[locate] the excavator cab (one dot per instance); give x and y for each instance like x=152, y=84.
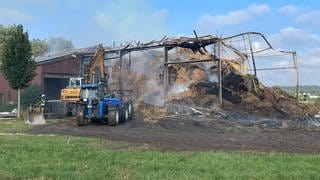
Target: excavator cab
x=75, y=82
x=73, y=91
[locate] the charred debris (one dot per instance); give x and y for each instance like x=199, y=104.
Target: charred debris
x=201, y=75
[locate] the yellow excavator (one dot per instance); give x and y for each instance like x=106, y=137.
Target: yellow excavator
x=72, y=93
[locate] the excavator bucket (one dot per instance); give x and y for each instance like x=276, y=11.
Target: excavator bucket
x=35, y=115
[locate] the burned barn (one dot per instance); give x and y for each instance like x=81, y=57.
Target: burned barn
x=155, y=70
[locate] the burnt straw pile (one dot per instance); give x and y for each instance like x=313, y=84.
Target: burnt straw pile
x=194, y=89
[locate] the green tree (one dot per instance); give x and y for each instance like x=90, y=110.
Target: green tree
x=17, y=66
x=5, y=33
x=39, y=47
x=31, y=95
x=59, y=44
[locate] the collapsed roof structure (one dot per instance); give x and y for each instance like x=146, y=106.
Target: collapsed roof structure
x=245, y=53
x=241, y=45
x=229, y=61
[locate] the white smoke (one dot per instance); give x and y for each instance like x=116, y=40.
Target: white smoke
x=154, y=94
x=144, y=75
x=213, y=77
x=56, y=44
x=149, y=65
x=179, y=88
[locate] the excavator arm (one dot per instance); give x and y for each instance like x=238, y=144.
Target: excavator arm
x=97, y=57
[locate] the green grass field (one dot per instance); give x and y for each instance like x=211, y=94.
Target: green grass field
x=24, y=156
x=13, y=126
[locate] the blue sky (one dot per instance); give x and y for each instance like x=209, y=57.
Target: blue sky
x=289, y=25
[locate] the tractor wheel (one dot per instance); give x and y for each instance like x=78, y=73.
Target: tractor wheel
x=130, y=110
x=71, y=109
x=124, y=113
x=113, y=116
x=68, y=110
x=82, y=119
x=74, y=110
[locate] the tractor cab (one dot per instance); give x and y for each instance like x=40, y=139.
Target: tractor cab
x=89, y=92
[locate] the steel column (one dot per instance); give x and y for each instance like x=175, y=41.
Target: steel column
x=252, y=56
x=120, y=71
x=220, y=70
x=165, y=70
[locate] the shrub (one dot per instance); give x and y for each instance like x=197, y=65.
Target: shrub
x=31, y=95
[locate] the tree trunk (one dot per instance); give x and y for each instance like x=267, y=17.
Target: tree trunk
x=18, y=112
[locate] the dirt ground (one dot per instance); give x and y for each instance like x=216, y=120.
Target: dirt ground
x=182, y=133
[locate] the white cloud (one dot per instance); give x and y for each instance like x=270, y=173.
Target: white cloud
x=289, y=10
x=131, y=20
x=208, y=21
x=309, y=18
x=311, y=59
x=304, y=15
x=294, y=38
x=10, y=16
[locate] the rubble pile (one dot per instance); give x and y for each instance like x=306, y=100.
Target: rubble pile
x=194, y=90
x=256, y=100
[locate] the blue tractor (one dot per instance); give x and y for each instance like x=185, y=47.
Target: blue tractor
x=96, y=105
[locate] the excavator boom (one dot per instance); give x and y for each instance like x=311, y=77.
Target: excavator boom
x=98, y=57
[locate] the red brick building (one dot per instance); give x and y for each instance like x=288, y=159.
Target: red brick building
x=53, y=72
x=6, y=93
